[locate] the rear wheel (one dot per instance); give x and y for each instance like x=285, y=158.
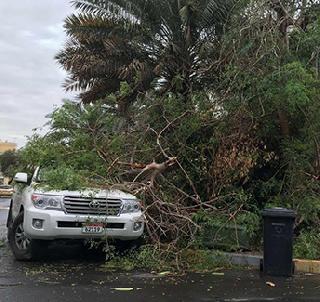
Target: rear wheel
x=23, y=248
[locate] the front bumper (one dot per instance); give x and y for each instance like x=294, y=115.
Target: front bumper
x=56, y=225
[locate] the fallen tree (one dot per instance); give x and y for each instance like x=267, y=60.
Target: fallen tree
x=214, y=140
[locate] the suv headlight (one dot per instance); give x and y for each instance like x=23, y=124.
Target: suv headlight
x=130, y=206
x=41, y=201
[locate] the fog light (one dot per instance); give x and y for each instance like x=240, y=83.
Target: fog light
x=137, y=226
x=37, y=223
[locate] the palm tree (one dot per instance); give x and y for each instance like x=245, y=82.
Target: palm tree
x=164, y=43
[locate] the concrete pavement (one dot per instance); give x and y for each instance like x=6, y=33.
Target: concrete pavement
x=70, y=273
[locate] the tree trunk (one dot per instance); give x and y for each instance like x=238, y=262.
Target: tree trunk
x=283, y=123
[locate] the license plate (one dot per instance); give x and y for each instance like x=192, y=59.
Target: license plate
x=92, y=229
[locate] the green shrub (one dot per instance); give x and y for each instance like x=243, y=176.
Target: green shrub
x=307, y=245
x=228, y=232
x=152, y=258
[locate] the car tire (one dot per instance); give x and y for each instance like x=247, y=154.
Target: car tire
x=24, y=248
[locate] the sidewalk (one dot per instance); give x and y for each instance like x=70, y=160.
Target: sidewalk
x=301, y=265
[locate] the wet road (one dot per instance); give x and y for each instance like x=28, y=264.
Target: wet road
x=69, y=273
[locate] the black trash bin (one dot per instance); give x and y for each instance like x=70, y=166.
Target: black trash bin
x=278, y=241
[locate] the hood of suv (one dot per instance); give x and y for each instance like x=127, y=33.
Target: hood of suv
x=112, y=194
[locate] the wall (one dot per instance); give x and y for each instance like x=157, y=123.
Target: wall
x=7, y=146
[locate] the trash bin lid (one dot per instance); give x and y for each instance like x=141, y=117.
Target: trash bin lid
x=278, y=212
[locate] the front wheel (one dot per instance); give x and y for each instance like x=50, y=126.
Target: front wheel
x=23, y=248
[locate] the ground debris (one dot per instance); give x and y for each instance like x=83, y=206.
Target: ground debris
x=271, y=284
x=162, y=274
x=218, y=274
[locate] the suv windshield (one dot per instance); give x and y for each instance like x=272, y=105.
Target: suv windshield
x=41, y=175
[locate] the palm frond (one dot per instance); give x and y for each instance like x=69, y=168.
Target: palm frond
x=72, y=83
x=216, y=12
x=119, y=9
x=87, y=26
x=140, y=41
x=99, y=90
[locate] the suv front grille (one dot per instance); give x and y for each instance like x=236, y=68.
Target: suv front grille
x=75, y=224
x=92, y=206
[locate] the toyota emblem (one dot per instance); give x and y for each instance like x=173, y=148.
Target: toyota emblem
x=94, y=204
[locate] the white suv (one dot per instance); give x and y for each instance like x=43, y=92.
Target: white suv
x=37, y=216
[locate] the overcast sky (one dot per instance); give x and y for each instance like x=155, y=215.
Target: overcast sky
x=30, y=80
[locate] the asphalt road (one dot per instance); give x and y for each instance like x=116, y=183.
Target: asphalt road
x=69, y=273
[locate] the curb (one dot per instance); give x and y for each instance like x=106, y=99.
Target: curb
x=301, y=265
x=307, y=266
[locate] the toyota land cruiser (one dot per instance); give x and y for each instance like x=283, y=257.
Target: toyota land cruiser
x=37, y=215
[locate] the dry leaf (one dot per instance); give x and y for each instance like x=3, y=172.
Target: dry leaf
x=164, y=273
x=217, y=274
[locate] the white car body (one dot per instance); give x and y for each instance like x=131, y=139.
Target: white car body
x=78, y=209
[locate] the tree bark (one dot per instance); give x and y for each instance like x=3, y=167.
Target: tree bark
x=283, y=123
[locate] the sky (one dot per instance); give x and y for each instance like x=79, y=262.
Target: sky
x=31, y=33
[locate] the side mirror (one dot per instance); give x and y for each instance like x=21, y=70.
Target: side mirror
x=21, y=178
